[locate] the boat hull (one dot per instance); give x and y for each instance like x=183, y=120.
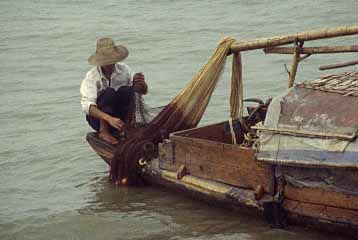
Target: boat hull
x=231, y=177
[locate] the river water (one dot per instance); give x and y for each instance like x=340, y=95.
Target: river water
x=53, y=186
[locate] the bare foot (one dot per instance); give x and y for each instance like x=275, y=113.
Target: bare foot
x=108, y=138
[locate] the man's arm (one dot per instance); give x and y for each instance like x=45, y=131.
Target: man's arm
x=88, y=92
x=117, y=123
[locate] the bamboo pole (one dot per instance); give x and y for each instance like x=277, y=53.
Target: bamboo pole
x=286, y=39
x=295, y=61
x=313, y=50
x=338, y=65
x=236, y=96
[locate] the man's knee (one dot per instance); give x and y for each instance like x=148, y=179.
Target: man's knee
x=125, y=94
x=108, y=93
x=107, y=97
x=116, y=103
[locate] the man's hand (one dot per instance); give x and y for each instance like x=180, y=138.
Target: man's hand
x=139, y=84
x=115, y=122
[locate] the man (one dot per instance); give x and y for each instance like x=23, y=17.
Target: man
x=108, y=90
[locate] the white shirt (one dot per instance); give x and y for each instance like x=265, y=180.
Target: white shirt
x=95, y=82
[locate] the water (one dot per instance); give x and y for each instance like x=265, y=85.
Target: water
x=53, y=186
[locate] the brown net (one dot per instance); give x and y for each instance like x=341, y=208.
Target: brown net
x=183, y=112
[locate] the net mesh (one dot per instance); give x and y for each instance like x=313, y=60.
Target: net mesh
x=143, y=114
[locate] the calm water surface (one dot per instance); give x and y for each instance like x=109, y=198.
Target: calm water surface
x=53, y=186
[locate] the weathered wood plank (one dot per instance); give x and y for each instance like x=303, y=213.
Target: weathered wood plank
x=210, y=191
x=212, y=132
x=166, y=157
x=321, y=212
x=321, y=196
x=103, y=149
x=221, y=162
x=170, y=158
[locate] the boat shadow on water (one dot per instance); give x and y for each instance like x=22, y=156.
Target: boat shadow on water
x=160, y=213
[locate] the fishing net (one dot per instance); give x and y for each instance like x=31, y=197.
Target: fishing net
x=143, y=114
x=183, y=112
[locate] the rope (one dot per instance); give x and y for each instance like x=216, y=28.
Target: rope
x=233, y=135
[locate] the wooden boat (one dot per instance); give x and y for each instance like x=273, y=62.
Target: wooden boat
x=296, y=157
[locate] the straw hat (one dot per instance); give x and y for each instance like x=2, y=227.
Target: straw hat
x=107, y=53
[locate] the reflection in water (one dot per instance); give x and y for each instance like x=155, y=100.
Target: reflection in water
x=157, y=213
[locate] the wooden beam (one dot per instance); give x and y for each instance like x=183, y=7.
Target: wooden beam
x=304, y=133
x=313, y=50
x=287, y=39
x=338, y=65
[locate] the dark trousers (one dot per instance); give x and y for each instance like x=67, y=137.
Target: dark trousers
x=115, y=103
